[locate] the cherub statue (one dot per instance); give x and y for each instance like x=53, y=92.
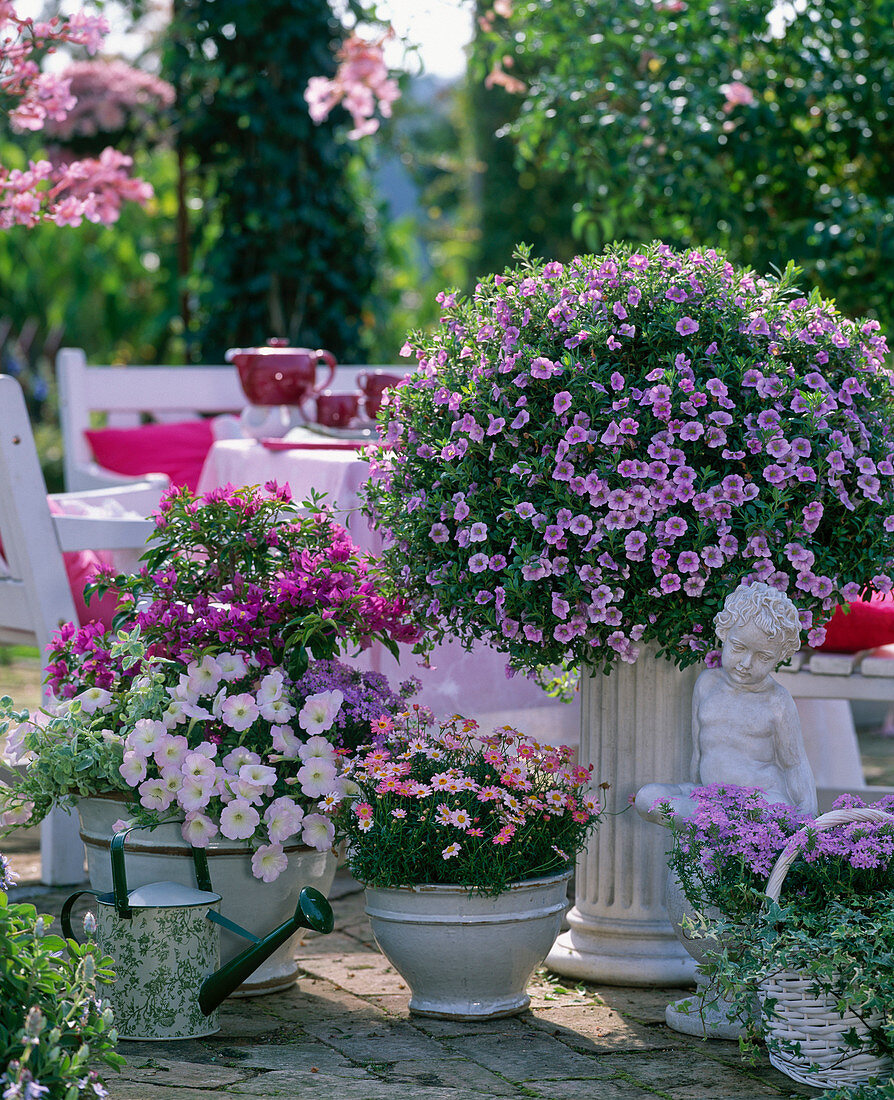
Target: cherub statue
x=745, y=726
x=745, y=733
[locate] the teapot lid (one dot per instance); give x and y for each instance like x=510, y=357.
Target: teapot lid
x=162, y=895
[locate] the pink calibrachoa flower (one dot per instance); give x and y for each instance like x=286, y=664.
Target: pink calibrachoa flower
x=318, y=832
x=316, y=777
x=239, y=819
x=199, y=830
x=133, y=769
x=239, y=711
x=319, y=711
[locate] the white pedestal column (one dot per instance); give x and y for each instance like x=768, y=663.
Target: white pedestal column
x=636, y=728
x=61, y=849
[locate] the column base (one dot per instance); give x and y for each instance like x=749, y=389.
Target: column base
x=621, y=956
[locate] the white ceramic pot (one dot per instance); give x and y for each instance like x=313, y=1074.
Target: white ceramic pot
x=467, y=957
x=162, y=855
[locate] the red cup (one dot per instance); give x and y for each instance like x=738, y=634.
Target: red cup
x=373, y=384
x=337, y=410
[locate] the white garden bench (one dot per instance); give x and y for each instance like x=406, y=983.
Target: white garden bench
x=827, y=678
x=35, y=592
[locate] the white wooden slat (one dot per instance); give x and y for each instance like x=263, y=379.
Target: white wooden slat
x=877, y=666
x=832, y=664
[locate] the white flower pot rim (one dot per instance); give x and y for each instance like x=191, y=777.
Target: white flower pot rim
x=451, y=887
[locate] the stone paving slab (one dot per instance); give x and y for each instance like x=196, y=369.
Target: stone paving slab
x=344, y=1032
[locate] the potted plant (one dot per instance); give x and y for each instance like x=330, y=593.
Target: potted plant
x=722, y=850
x=465, y=844
x=215, y=714
x=54, y=1030
x=589, y=457
x=816, y=948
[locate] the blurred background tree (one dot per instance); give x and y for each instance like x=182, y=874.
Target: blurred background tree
x=758, y=126
x=281, y=215
x=755, y=126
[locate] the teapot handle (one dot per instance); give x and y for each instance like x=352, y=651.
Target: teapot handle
x=329, y=359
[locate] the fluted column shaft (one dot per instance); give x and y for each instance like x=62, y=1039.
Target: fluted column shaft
x=636, y=728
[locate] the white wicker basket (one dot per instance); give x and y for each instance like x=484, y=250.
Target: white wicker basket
x=814, y=1021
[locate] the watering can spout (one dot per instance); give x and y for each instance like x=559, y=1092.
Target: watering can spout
x=313, y=911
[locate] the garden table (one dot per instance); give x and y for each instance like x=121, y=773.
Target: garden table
x=474, y=683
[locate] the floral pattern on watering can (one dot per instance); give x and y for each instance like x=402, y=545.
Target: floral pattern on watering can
x=163, y=944
x=162, y=956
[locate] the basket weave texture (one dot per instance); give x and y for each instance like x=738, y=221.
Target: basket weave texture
x=812, y=1019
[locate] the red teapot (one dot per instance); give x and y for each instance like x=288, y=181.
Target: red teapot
x=280, y=375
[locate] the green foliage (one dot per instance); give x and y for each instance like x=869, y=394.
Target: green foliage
x=282, y=230
x=843, y=945
x=514, y=201
x=632, y=99
x=52, y=1026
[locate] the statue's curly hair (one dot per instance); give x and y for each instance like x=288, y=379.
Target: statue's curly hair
x=767, y=608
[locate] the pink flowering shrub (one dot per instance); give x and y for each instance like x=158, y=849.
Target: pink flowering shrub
x=592, y=456
x=361, y=84
x=245, y=570
x=443, y=803
x=111, y=98
x=93, y=188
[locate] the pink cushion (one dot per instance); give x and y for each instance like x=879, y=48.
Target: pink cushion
x=866, y=625
x=177, y=450
x=80, y=565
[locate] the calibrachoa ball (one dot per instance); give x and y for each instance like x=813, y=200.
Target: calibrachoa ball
x=594, y=455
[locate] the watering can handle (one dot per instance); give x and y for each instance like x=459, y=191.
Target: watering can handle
x=65, y=915
x=119, y=877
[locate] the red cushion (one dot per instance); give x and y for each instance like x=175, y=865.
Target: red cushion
x=866, y=625
x=177, y=450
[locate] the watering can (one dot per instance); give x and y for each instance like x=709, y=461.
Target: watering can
x=280, y=375
x=164, y=938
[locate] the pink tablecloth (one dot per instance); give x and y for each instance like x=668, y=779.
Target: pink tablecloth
x=473, y=684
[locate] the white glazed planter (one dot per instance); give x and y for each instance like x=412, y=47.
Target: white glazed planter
x=467, y=957
x=162, y=855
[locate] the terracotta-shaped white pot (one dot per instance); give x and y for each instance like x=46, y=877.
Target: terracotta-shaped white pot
x=162, y=855
x=467, y=957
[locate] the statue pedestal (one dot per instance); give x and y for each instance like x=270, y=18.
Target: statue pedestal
x=636, y=725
